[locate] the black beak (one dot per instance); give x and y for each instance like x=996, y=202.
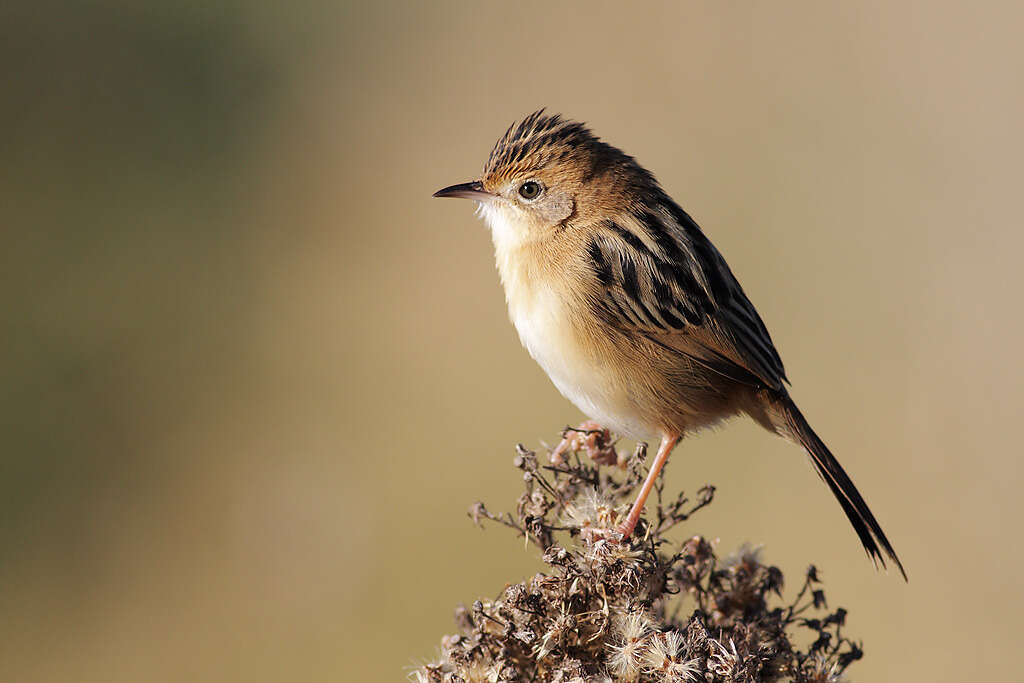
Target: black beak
x=474, y=190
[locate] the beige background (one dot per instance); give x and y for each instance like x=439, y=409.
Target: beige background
x=252, y=375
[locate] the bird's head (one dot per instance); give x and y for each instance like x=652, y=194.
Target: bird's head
x=546, y=171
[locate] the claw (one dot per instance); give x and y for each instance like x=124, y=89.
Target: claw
x=589, y=437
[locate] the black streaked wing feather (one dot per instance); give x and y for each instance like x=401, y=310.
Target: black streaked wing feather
x=663, y=278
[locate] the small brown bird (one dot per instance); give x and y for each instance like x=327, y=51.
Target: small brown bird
x=629, y=308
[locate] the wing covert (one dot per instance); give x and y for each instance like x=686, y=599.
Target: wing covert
x=661, y=277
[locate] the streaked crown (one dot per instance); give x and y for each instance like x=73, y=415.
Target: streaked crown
x=542, y=142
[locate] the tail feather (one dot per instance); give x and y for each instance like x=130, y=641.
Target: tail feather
x=829, y=469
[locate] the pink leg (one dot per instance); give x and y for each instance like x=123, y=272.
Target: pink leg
x=667, y=444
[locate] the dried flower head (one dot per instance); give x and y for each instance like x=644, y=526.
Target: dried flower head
x=592, y=510
x=665, y=658
x=746, y=557
x=649, y=609
x=627, y=647
x=824, y=670
x=723, y=661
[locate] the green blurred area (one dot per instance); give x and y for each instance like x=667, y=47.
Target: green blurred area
x=251, y=376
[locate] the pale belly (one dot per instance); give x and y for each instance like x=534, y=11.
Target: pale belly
x=595, y=387
x=583, y=374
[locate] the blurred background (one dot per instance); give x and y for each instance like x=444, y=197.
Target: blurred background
x=252, y=376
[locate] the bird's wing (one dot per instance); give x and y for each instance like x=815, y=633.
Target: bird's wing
x=661, y=277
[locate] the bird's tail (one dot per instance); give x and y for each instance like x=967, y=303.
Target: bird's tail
x=864, y=523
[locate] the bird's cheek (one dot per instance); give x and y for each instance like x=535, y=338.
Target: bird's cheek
x=558, y=208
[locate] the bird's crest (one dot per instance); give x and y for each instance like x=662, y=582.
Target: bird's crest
x=534, y=142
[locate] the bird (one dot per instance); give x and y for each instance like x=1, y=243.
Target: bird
x=630, y=309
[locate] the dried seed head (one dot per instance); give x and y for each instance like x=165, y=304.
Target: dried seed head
x=628, y=646
x=723, y=662
x=631, y=626
x=665, y=658
x=591, y=510
x=661, y=649
x=824, y=670
x=624, y=660
x=479, y=672
x=747, y=557
x=647, y=611
x=682, y=671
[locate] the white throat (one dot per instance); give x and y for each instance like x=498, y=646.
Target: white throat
x=544, y=323
x=509, y=230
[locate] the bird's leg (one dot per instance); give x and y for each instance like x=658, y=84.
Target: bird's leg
x=667, y=444
x=590, y=437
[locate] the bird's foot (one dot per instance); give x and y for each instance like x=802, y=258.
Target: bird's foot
x=590, y=437
x=624, y=531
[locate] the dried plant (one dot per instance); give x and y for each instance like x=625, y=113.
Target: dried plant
x=650, y=609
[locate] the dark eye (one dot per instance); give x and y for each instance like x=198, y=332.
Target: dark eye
x=529, y=190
